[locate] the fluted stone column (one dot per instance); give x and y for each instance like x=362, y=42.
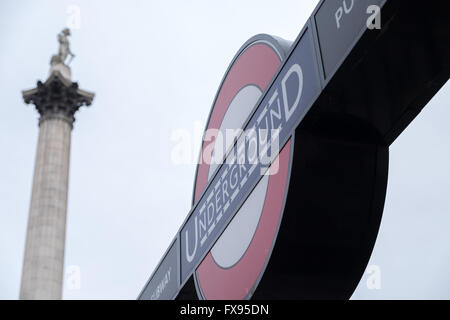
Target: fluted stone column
x=56, y=100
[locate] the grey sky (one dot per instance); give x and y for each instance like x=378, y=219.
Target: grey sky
x=155, y=68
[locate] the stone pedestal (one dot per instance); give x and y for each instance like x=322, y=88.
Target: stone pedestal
x=56, y=100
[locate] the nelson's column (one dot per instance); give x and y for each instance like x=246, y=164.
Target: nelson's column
x=56, y=100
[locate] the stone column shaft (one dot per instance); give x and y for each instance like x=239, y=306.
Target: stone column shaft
x=42, y=274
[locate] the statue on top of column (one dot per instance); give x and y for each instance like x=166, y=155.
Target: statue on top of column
x=64, y=49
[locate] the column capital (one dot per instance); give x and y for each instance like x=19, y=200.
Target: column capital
x=57, y=97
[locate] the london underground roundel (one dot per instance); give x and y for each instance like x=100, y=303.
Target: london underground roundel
x=236, y=262
x=306, y=226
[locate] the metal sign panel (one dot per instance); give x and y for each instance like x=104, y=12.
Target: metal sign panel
x=337, y=195
x=163, y=285
x=278, y=113
x=339, y=24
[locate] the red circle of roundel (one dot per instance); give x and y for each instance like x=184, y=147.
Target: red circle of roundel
x=256, y=64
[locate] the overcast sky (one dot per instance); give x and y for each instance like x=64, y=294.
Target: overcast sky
x=155, y=67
